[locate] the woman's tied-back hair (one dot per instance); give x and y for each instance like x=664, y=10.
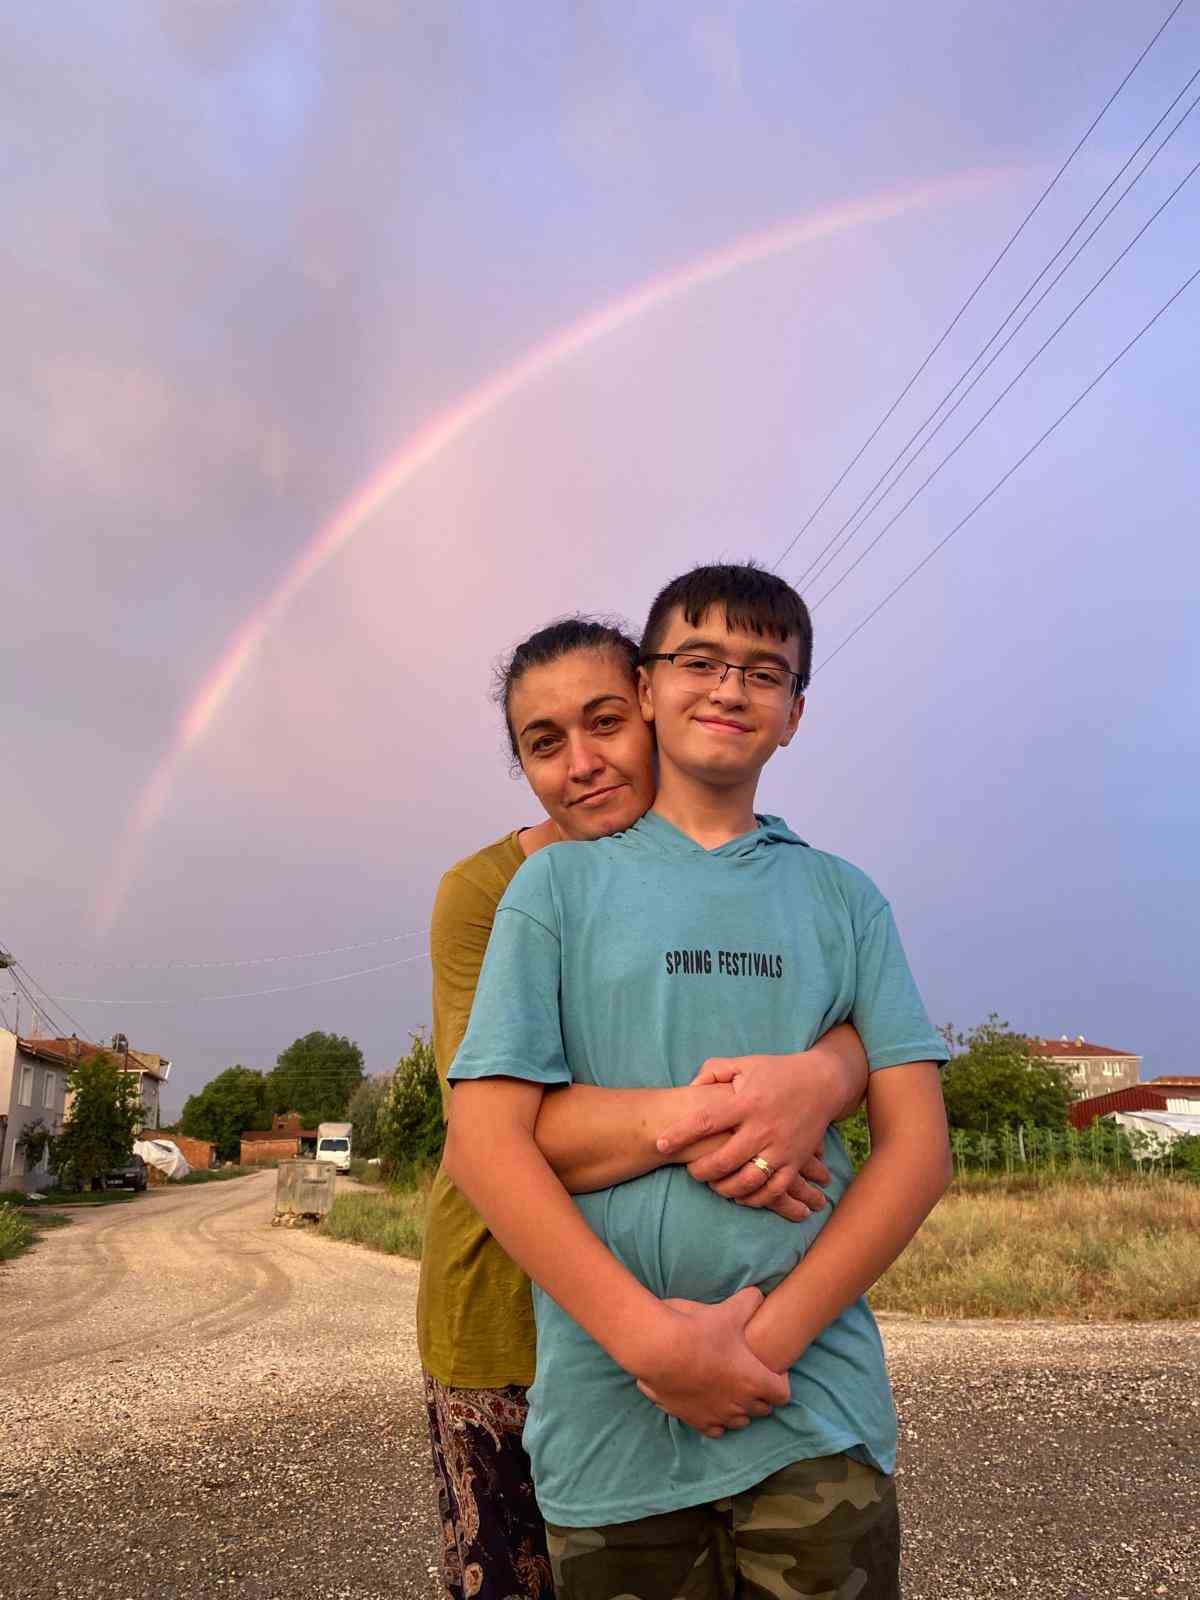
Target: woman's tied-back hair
x=753, y=600
x=561, y=638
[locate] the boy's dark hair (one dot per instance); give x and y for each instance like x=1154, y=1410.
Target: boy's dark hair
x=560, y=638
x=752, y=599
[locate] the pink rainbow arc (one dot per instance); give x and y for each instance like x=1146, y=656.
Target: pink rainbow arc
x=445, y=428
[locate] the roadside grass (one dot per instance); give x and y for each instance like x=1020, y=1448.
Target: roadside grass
x=366, y=1171
x=1123, y=1249
x=389, y=1219
x=209, y=1175
x=75, y=1197
x=19, y=1229
x=1126, y=1250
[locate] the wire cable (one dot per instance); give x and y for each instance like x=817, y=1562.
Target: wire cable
x=1020, y=462
x=958, y=315
x=48, y=1004
x=252, y=994
x=818, y=564
x=1008, y=388
x=252, y=961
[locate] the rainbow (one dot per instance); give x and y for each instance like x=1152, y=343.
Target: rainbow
x=446, y=428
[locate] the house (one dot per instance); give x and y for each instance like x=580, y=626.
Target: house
x=1173, y=1097
x=284, y=1140
x=150, y=1070
x=33, y=1088
x=1090, y=1069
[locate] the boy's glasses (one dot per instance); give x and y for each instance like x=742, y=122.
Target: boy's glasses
x=702, y=672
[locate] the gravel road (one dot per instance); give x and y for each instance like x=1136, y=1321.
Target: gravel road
x=195, y=1403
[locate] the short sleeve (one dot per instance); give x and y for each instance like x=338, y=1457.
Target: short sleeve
x=459, y=930
x=888, y=1011
x=516, y=1026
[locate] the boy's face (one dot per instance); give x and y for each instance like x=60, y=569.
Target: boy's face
x=719, y=733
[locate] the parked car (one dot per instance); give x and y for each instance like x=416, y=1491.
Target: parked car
x=131, y=1174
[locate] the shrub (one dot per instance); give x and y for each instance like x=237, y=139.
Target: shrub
x=15, y=1232
x=411, y=1129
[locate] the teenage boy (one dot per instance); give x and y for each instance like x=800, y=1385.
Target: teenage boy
x=711, y=1409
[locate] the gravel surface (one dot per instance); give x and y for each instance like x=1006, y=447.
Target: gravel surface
x=195, y=1403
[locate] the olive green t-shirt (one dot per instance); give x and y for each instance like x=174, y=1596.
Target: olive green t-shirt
x=474, y=1307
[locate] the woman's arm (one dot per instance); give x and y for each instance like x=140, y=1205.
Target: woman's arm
x=596, y=1137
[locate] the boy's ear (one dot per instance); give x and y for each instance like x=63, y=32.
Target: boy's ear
x=645, y=690
x=793, y=721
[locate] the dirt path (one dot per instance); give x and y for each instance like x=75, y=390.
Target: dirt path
x=197, y=1404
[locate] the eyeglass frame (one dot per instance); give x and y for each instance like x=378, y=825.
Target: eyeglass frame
x=729, y=666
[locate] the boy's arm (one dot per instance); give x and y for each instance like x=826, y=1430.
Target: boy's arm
x=696, y=1354
x=902, y=1180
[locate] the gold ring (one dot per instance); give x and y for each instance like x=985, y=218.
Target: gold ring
x=763, y=1166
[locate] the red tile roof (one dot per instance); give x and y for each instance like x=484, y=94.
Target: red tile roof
x=1074, y=1048
x=66, y=1052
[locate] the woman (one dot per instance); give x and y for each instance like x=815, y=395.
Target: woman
x=569, y=699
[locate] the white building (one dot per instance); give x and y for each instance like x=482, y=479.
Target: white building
x=33, y=1087
x=1090, y=1069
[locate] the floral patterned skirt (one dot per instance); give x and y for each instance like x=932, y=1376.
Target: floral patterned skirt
x=493, y=1537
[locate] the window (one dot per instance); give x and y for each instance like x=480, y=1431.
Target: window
x=18, y=1162
x=48, y=1091
x=25, y=1095
x=1110, y=1069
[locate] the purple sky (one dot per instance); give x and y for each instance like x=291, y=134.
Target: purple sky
x=253, y=248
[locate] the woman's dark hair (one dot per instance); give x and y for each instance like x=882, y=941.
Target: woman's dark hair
x=561, y=638
x=752, y=599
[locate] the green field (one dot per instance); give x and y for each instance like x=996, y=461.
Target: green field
x=1122, y=1248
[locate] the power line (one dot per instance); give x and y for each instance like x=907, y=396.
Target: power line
x=978, y=423
x=252, y=994
x=48, y=1004
x=954, y=321
x=836, y=544
x=1020, y=462
x=252, y=961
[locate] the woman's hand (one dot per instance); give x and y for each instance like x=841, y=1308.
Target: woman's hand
x=703, y=1371
x=778, y=1112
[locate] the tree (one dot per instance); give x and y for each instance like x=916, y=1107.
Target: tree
x=364, y=1110
x=316, y=1076
x=411, y=1128
x=225, y=1108
x=98, y=1134
x=33, y=1141
x=997, y=1083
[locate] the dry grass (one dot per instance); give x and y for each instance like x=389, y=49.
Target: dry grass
x=387, y=1219
x=1106, y=1252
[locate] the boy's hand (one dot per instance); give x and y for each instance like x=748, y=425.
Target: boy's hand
x=779, y=1110
x=703, y=1371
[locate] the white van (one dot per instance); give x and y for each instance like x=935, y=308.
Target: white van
x=333, y=1143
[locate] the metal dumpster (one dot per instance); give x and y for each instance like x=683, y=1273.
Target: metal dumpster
x=303, y=1189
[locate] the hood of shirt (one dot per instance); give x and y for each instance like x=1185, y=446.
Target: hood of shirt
x=662, y=838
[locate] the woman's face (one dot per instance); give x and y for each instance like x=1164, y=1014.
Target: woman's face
x=584, y=746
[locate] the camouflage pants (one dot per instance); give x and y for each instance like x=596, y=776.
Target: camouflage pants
x=818, y=1530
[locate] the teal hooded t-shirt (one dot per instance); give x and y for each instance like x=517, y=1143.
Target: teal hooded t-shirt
x=627, y=963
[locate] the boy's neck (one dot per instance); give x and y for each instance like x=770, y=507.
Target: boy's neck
x=711, y=815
